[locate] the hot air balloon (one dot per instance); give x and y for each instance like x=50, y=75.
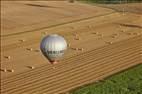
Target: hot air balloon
x=53, y=47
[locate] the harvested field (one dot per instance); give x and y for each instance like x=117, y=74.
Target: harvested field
x=109, y=45
x=51, y=15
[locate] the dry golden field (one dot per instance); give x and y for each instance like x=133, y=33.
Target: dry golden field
x=102, y=42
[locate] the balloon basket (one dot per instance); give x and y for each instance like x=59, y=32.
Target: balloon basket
x=54, y=62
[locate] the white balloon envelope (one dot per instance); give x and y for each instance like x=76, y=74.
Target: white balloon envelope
x=53, y=47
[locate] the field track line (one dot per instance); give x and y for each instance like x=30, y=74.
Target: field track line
x=79, y=20
x=103, y=49
x=70, y=71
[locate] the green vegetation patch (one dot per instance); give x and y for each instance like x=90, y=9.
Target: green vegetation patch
x=127, y=82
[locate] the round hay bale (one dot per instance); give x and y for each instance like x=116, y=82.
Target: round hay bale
x=108, y=42
x=81, y=49
x=31, y=67
x=76, y=48
x=8, y=57
x=12, y=70
x=4, y=70
x=22, y=40
x=30, y=49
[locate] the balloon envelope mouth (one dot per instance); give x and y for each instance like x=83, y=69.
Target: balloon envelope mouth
x=54, y=62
